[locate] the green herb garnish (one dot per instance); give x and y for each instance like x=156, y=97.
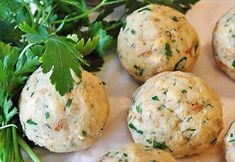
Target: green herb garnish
x=188, y=119
x=159, y=145
x=124, y=25
x=189, y=129
x=30, y=121
x=107, y=154
x=68, y=103
x=133, y=45
x=155, y=98
x=47, y=126
x=84, y=133
x=174, y=18
x=149, y=141
x=134, y=128
x=139, y=70
x=32, y=94
x=168, y=52
x=161, y=107
x=133, y=31
x=233, y=63
x=165, y=91
x=231, y=139
x=184, y=91
x=139, y=109
x=47, y=115
x=213, y=142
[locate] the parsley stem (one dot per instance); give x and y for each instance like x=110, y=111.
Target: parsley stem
x=30, y=13
x=18, y=157
x=26, y=47
x=81, y=15
x=101, y=4
x=7, y=146
x=27, y=148
x=9, y=125
x=114, y=26
x=49, y=14
x=114, y=2
x=38, y=17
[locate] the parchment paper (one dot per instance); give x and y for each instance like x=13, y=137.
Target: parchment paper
x=120, y=87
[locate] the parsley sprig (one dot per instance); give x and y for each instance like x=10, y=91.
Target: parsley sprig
x=14, y=71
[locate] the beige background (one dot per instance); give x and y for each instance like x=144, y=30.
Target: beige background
x=120, y=87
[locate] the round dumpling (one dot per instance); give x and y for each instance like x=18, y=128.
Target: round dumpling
x=137, y=153
x=177, y=112
x=224, y=43
x=229, y=142
x=66, y=123
x=156, y=39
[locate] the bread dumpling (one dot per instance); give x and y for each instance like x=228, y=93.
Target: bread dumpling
x=177, y=112
x=229, y=142
x=156, y=39
x=66, y=123
x=137, y=153
x=224, y=43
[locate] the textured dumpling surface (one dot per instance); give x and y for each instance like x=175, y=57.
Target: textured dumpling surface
x=156, y=39
x=177, y=112
x=63, y=124
x=224, y=43
x=137, y=153
x=229, y=142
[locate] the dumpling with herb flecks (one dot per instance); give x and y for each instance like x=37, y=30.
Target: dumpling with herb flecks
x=177, y=112
x=156, y=39
x=66, y=123
x=229, y=142
x=137, y=153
